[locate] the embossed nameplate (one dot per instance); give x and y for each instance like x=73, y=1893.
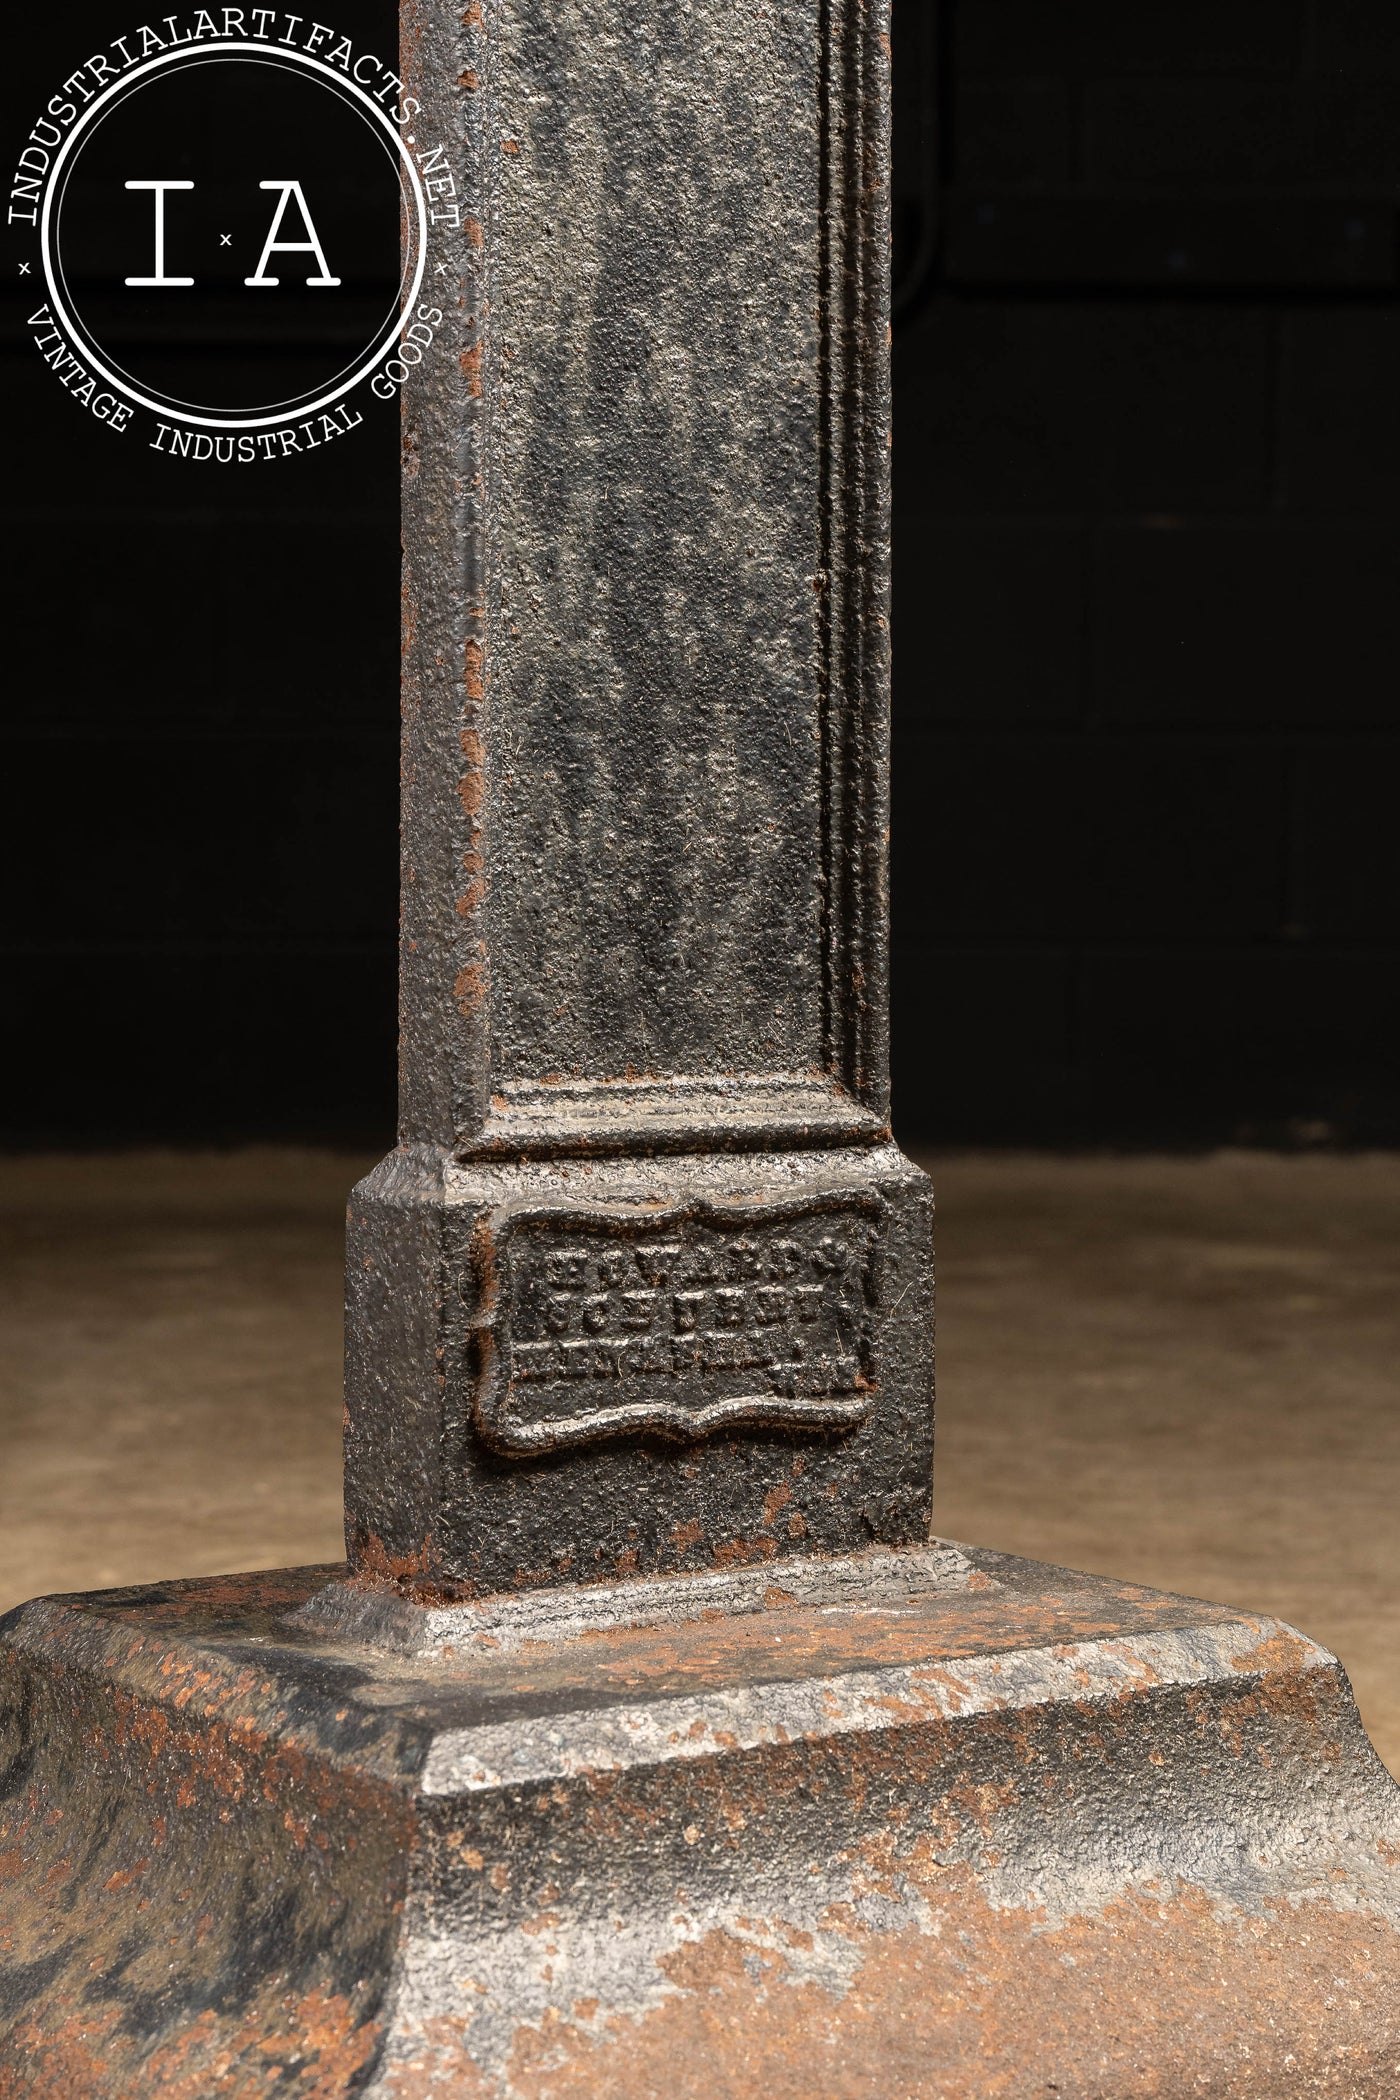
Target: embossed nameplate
x=679, y=1320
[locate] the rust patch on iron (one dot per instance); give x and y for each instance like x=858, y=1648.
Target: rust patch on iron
x=1283, y=1653
x=469, y=985
x=1162, y=1998
x=378, y=1568
x=439, y=2067
x=312, y=2048
x=737, y=1553
x=776, y=1500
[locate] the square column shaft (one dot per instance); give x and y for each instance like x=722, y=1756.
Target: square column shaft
x=624, y=1299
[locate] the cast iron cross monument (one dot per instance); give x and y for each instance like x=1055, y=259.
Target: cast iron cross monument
x=647, y=1744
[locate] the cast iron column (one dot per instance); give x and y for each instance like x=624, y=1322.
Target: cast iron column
x=646, y=1287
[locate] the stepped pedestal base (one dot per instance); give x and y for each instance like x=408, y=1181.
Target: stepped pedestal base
x=904, y=1824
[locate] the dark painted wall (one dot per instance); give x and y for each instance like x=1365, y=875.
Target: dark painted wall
x=1147, y=558
x=200, y=755
x=1148, y=401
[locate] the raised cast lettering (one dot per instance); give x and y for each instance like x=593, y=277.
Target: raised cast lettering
x=602, y=1326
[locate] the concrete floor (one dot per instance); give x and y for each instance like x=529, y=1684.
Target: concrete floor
x=1178, y=1371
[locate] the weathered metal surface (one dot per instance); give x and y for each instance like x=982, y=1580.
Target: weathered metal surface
x=646, y=639
x=707, y=1314
x=936, y=1824
x=645, y=823
x=644, y=1745
x=715, y=1434
x=199, y=1892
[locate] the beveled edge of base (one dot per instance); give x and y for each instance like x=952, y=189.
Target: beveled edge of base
x=376, y=1615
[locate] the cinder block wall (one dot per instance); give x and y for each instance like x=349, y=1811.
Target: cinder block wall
x=1148, y=570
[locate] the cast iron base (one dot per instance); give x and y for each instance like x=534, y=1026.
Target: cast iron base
x=905, y=1824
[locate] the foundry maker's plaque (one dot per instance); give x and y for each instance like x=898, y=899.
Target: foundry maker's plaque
x=680, y=1322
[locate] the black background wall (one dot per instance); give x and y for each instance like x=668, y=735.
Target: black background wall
x=1147, y=450
x=200, y=750
x=1147, y=453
